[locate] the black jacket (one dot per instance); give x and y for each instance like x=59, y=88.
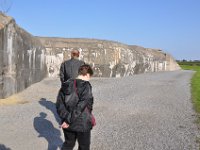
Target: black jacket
x=69, y=69
x=79, y=116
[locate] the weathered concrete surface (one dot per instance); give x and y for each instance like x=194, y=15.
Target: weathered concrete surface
x=108, y=58
x=22, y=58
x=25, y=59
x=132, y=113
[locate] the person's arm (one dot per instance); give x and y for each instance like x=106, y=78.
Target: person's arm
x=83, y=63
x=61, y=109
x=62, y=72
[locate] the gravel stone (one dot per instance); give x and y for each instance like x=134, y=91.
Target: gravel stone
x=150, y=111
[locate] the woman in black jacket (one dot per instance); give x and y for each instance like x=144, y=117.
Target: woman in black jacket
x=74, y=106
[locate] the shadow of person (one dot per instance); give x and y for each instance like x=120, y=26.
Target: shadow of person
x=46, y=130
x=3, y=147
x=50, y=106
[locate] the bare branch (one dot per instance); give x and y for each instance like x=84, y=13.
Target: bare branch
x=5, y=5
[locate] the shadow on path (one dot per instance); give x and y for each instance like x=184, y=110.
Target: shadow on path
x=46, y=130
x=3, y=147
x=50, y=106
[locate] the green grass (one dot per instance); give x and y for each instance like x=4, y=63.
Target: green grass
x=189, y=63
x=195, y=89
x=195, y=85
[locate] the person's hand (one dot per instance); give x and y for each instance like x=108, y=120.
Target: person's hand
x=64, y=125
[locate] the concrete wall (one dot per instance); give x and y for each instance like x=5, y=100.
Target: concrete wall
x=25, y=59
x=108, y=58
x=22, y=58
x=1, y=62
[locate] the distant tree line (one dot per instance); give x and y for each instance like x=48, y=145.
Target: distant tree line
x=189, y=62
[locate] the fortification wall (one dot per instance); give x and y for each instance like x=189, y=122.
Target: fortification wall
x=108, y=58
x=25, y=59
x=22, y=58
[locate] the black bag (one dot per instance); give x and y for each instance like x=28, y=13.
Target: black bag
x=67, y=100
x=71, y=97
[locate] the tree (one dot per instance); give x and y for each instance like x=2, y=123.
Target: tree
x=5, y=5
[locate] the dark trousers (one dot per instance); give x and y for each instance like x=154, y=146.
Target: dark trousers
x=83, y=139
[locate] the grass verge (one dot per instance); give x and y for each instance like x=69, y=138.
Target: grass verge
x=195, y=91
x=12, y=100
x=195, y=85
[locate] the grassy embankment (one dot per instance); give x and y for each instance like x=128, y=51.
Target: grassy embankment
x=195, y=82
x=12, y=100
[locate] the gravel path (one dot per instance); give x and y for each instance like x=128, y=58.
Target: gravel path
x=143, y=112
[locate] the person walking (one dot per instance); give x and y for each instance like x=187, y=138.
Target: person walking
x=69, y=68
x=76, y=115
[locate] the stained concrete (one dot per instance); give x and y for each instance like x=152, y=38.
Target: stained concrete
x=26, y=59
x=108, y=58
x=22, y=58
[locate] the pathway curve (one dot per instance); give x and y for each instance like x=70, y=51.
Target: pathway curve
x=143, y=112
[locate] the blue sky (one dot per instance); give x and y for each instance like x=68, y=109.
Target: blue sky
x=170, y=25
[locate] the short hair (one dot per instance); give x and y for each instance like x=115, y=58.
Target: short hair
x=84, y=69
x=75, y=53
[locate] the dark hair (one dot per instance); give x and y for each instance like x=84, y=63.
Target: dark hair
x=84, y=69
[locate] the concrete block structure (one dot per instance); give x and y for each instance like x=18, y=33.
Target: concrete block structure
x=26, y=59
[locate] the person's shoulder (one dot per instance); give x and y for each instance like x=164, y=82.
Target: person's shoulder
x=78, y=61
x=66, y=62
x=67, y=85
x=81, y=62
x=87, y=84
x=83, y=83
